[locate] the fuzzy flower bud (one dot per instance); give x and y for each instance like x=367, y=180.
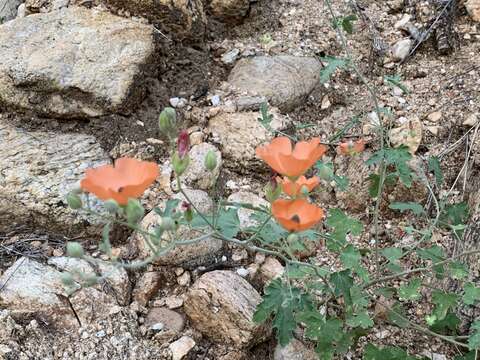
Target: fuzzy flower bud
x=74, y=201
x=183, y=144
x=210, y=161
x=75, y=249
x=167, y=122
x=134, y=211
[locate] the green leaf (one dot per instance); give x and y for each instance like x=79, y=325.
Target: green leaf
x=351, y=259
x=416, y=208
x=396, y=315
x=386, y=353
x=458, y=270
x=342, y=225
x=399, y=158
x=474, y=339
x=449, y=323
x=228, y=222
x=332, y=65
x=265, y=118
x=396, y=81
x=343, y=283
x=386, y=292
x=105, y=245
x=435, y=254
x=347, y=23
x=359, y=297
x=392, y=253
x=362, y=320
x=444, y=302
x=455, y=216
x=169, y=208
x=471, y=294
x=410, y=291
x=469, y=356
x=284, y=302
x=434, y=165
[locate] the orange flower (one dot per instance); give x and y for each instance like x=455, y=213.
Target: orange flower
x=289, y=161
x=351, y=148
x=295, y=188
x=128, y=178
x=296, y=215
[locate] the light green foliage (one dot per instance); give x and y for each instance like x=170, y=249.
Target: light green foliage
x=474, y=339
x=448, y=325
x=414, y=207
x=387, y=353
x=341, y=225
x=362, y=320
x=351, y=259
x=346, y=23
x=396, y=81
x=343, y=282
x=283, y=302
x=457, y=270
x=396, y=315
x=444, y=302
x=454, y=217
x=226, y=221
x=471, y=294
x=332, y=65
x=265, y=118
x=325, y=172
x=410, y=291
x=434, y=165
x=398, y=158
x=134, y=211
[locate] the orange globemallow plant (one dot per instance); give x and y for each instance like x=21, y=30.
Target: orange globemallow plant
x=291, y=161
x=294, y=188
x=127, y=178
x=296, y=215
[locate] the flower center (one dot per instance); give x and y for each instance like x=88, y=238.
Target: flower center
x=295, y=218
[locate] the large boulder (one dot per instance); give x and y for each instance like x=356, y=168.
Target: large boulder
x=74, y=63
x=240, y=133
x=284, y=80
x=221, y=304
x=8, y=10
x=197, y=253
x=37, y=170
x=29, y=288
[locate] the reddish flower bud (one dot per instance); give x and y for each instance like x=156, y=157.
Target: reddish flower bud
x=183, y=144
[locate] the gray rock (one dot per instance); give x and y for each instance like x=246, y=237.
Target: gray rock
x=171, y=320
x=31, y=288
x=234, y=132
x=244, y=214
x=227, y=10
x=285, y=80
x=230, y=56
x=221, y=304
x=401, y=49
x=146, y=287
x=8, y=10
x=21, y=11
x=197, y=253
x=181, y=347
x=177, y=102
x=473, y=9
x=37, y=170
x=295, y=350
x=74, y=62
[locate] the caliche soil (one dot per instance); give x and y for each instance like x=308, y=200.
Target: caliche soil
x=83, y=82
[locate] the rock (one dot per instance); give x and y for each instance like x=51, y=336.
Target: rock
x=242, y=272
x=197, y=253
x=174, y=302
x=215, y=100
x=21, y=11
x=471, y=120
x=8, y=10
x=146, y=287
x=295, y=350
x=30, y=288
x=473, y=9
x=270, y=269
x=244, y=214
x=74, y=63
x=171, y=320
x=184, y=279
x=178, y=102
x=403, y=21
x=181, y=347
x=434, y=116
x=221, y=304
x=197, y=175
x=434, y=356
x=285, y=80
x=37, y=170
x=433, y=129
x=115, y=279
x=230, y=56
x=408, y=134
x=401, y=49
x=233, y=131
x=325, y=103
x=228, y=10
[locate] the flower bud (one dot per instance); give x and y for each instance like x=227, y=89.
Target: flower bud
x=304, y=190
x=180, y=164
x=75, y=249
x=167, y=121
x=210, y=161
x=111, y=206
x=187, y=211
x=90, y=280
x=183, y=144
x=325, y=172
x=74, y=201
x=272, y=190
x=167, y=224
x=292, y=238
x=134, y=211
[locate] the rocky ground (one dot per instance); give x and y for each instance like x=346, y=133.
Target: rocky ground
x=83, y=82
